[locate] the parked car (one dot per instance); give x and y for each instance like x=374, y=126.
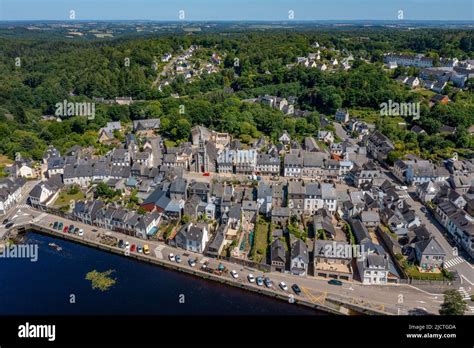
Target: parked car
x=71, y=228
x=268, y=282
x=234, y=274
x=66, y=229
x=94, y=230
x=81, y=232
x=424, y=210
x=335, y=282
x=76, y=230
x=283, y=286
x=55, y=225
x=178, y=258
x=192, y=262
x=146, y=250
x=127, y=245
x=133, y=247
x=8, y=225
x=60, y=226
x=251, y=278
x=5, y=222
x=139, y=249
x=259, y=281
x=206, y=174
x=171, y=257
x=120, y=244
x=296, y=289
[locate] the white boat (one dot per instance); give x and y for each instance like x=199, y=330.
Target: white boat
x=55, y=246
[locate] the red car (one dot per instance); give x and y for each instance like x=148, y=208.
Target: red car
x=206, y=174
x=65, y=229
x=133, y=247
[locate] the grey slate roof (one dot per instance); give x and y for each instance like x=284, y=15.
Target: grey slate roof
x=299, y=249
x=278, y=251
x=430, y=247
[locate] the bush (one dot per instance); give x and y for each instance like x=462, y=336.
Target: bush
x=73, y=190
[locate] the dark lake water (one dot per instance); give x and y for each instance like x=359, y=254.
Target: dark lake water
x=45, y=287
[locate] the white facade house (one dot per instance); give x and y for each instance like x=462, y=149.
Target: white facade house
x=193, y=237
x=10, y=193
x=373, y=269
x=418, y=60
x=25, y=171
x=43, y=194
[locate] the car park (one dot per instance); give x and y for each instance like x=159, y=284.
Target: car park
x=234, y=274
x=296, y=289
x=171, y=257
x=251, y=278
x=178, y=258
x=259, y=281
x=335, y=282
x=283, y=286
x=268, y=282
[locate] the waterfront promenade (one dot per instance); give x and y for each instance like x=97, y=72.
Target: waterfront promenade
x=317, y=292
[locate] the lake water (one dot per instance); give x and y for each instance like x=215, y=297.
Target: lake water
x=45, y=287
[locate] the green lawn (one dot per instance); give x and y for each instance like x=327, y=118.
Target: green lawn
x=372, y=116
x=412, y=271
x=64, y=198
x=259, y=250
x=170, y=143
x=4, y=160
x=425, y=93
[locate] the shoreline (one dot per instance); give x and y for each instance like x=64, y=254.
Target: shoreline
x=329, y=306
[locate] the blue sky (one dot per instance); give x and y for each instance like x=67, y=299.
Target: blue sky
x=237, y=9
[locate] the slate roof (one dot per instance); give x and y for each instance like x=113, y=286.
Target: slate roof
x=429, y=247
x=299, y=249
x=278, y=251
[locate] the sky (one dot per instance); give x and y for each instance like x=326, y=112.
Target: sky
x=237, y=9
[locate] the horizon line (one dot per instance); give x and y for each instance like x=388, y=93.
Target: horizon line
x=238, y=20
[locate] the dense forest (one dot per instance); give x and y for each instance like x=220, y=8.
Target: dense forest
x=37, y=73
